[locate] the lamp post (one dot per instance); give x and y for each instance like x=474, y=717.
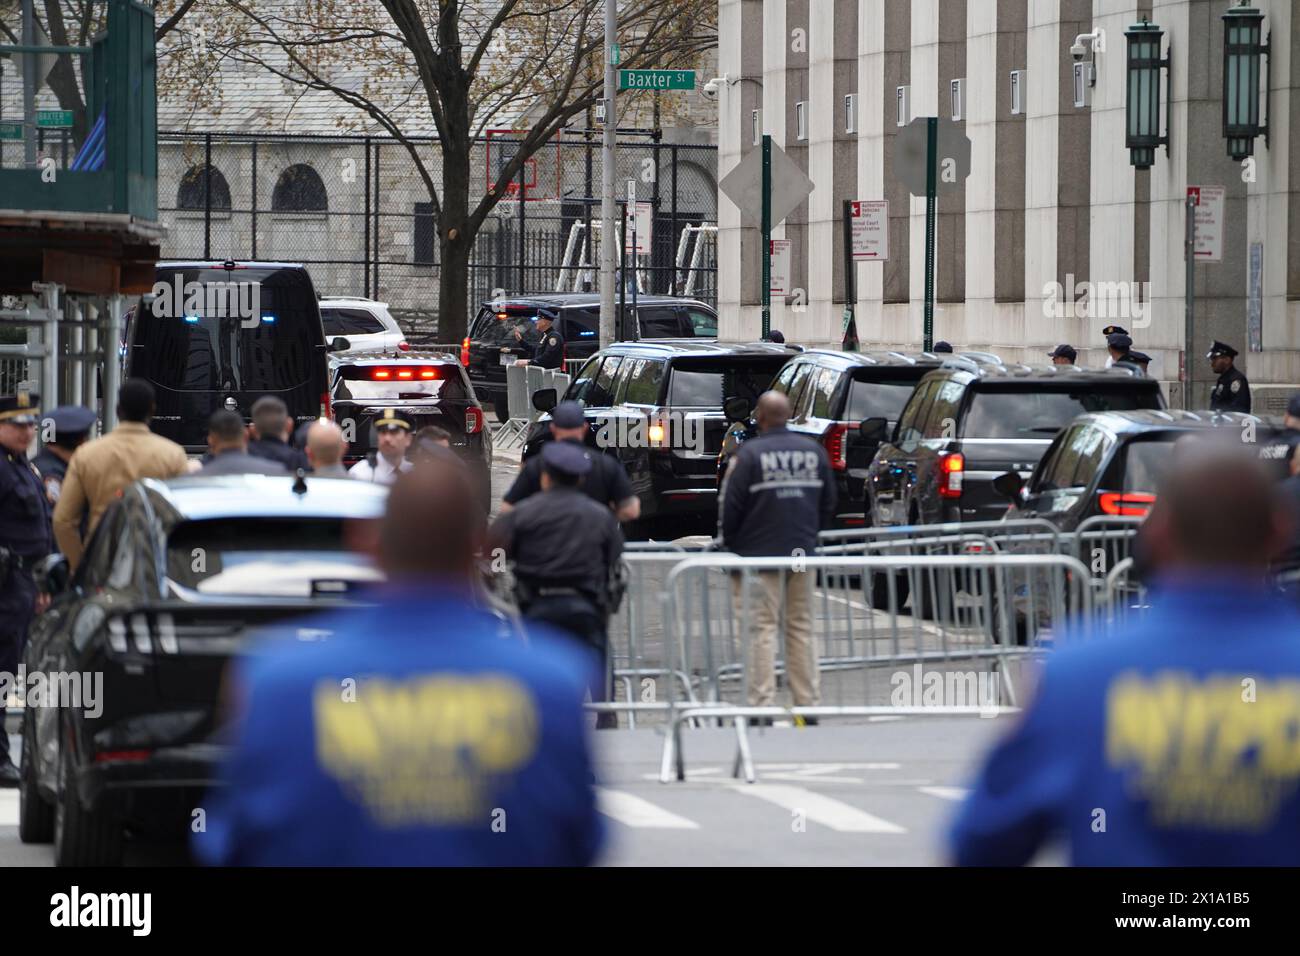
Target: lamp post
x=1142, y=128
x=1242, y=50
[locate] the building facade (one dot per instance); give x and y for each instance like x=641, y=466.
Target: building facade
x=1053, y=235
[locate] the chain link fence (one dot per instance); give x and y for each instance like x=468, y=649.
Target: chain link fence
x=356, y=212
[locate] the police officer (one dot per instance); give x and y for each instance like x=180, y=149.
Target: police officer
x=606, y=482
x=1118, y=345
x=1157, y=724
x=70, y=427
x=393, y=434
x=1139, y=359
x=549, y=350
x=495, y=769
x=25, y=538
x=1063, y=355
x=1107, y=332
x=1232, y=392
x=566, y=551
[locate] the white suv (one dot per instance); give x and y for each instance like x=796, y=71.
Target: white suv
x=366, y=324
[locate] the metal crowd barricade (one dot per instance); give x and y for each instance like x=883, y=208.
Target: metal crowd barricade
x=989, y=611
x=522, y=382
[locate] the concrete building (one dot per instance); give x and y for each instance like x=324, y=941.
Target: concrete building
x=1051, y=209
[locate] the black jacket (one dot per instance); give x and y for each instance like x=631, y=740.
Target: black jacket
x=549, y=350
x=1231, y=393
x=276, y=450
x=777, y=494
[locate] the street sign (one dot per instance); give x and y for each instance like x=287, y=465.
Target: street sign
x=869, y=219
x=640, y=219
x=952, y=156
x=656, y=79
x=1209, y=222
x=781, y=266
x=54, y=119
x=11, y=130
x=744, y=186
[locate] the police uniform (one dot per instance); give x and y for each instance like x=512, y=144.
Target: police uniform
x=549, y=350
x=565, y=549
x=71, y=423
x=377, y=468
x=1110, y=330
x=606, y=482
x=1231, y=392
x=25, y=538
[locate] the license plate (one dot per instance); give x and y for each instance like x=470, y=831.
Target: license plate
x=508, y=359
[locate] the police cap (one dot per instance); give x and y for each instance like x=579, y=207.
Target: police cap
x=70, y=421
x=21, y=408
x=1063, y=351
x=1114, y=330
x=1218, y=348
x=1119, y=340
x=566, y=458
x=568, y=415
x=944, y=347
x=392, y=418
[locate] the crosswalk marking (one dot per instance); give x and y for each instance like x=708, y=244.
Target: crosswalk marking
x=632, y=811
x=828, y=812
x=946, y=793
x=8, y=808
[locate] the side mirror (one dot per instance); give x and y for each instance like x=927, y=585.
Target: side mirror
x=545, y=399
x=736, y=409
x=874, y=429
x=51, y=574
x=340, y=344
x=1008, y=485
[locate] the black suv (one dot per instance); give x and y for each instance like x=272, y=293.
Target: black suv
x=577, y=316
x=831, y=393
x=201, y=357
x=966, y=424
x=430, y=389
x=658, y=408
x=1112, y=463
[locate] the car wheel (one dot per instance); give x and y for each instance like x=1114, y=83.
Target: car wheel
x=82, y=837
x=35, y=814
x=880, y=590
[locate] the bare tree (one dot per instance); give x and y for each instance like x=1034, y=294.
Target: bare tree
x=465, y=65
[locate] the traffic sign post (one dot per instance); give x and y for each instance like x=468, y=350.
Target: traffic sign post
x=767, y=234
x=849, y=340
x=931, y=144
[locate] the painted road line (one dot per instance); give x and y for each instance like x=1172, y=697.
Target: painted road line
x=632, y=811
x=946, y=793
x=821, y=809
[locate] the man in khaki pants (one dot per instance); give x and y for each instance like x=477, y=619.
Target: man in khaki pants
x=778, y=493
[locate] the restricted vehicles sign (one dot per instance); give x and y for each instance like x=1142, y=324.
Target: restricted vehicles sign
x=641, y=216
x=781, y=267
x=1209, y=222
x=869, y=219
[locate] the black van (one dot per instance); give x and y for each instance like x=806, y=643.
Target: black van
x=200, y=358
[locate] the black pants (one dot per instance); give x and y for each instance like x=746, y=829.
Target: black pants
x=17, y=608
x=578, y=616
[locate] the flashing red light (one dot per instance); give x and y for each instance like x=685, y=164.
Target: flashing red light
x=1131, y=504
x=473, y=421
x=405, y=373
x=464, y=352
x=836, y=444
x=952, y=467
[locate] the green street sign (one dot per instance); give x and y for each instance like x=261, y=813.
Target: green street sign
x=11, y=130
x=656, y=79
x=54, y=119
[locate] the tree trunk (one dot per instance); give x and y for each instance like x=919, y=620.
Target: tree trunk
x=455, y=241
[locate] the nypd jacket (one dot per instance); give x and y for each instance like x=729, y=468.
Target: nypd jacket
x=1169, y=743
x=410, y=733
x=777, y=494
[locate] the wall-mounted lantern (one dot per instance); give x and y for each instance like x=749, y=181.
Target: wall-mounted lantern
x=1242, y=50
x=1142, y=127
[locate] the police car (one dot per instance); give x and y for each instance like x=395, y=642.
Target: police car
x=425, y=388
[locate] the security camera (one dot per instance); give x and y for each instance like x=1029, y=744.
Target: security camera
x=711, y=88
x=1078, y=50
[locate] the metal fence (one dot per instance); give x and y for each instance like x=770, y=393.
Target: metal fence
x=356, y=211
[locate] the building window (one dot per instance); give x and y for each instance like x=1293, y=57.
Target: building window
x=850, y=113
x=299, y=189
x=801, y=121
x=422, y=244
x=902, y=98
x=189, y=195
x=1017, y=92
x=756, y=126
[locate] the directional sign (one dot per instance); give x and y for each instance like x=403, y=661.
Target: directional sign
x=1209, y=222
x=952, y=159
x=54, y=119
x=11, y=130
x=640, y=220
x=869, y=219
x=781, y=266
x=656, y=79
x=744, y=186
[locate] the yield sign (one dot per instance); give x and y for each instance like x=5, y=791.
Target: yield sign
x=744, y=186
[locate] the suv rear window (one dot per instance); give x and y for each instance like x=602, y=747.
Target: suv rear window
x=349, y=322
x=1143, y=464
x=209, y=353
x=1024, y=414
x=708, y=383
x=491, y=329
x=879, y=399
x=264, y=556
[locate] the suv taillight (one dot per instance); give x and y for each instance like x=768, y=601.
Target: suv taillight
x=1131, y=504
x=473, y=421
x=836, y=442
x=951, y=469
x=464, y=352
x=404, y=346
x=326, y=406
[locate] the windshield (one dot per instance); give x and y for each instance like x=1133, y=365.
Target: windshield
x=264, y=557
x=709, y=384
x=878, y=399
x=1041, y=414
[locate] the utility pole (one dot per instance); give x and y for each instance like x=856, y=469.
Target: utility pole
x=608, y=230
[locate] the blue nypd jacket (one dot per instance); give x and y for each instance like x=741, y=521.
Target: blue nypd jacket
x=1173, y=742
x=411, y=734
